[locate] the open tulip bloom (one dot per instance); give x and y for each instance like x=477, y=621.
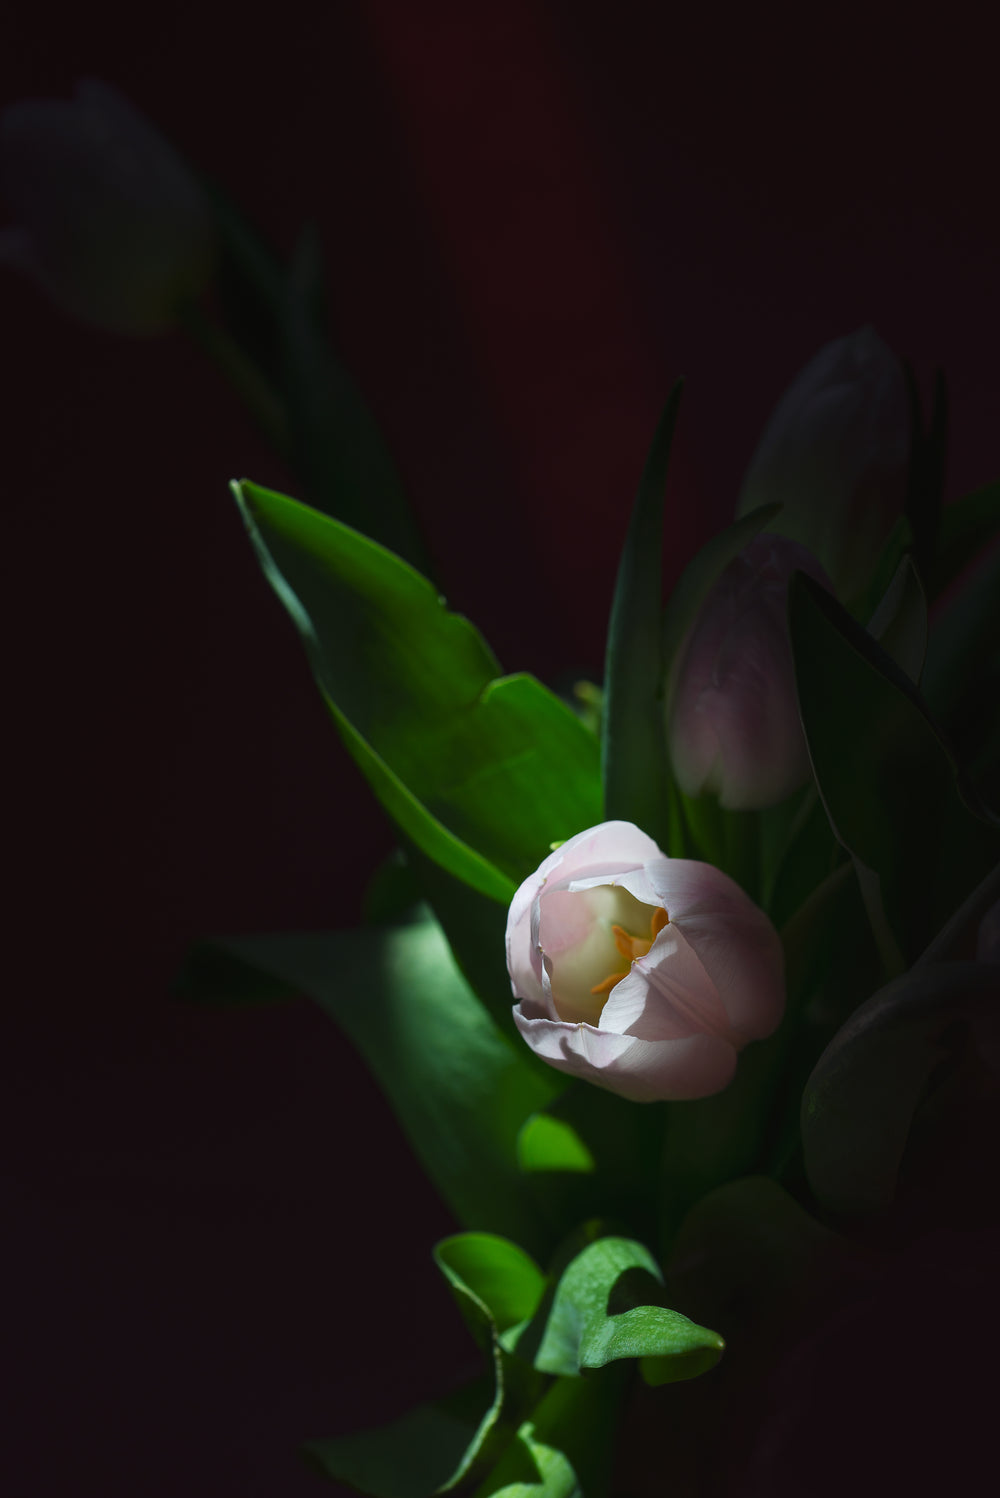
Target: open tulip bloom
x=642, y=973
x=751, y=912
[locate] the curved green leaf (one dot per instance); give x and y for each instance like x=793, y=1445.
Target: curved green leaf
x=609, y=1305
x=482, y=773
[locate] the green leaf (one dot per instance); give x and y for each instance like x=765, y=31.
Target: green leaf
x=895, y=797
x=633, y=729
x=550, y=1145
x=458, y=1086
x=497, y=1285
x=482, y=774
x=564, y=1450
x=961, y=678
x=899, y=623
x=429, y=1450
x=859, y=1103
x=608, y=1305
x=967, y=528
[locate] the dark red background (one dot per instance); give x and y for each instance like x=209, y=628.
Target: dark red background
x=535, y=217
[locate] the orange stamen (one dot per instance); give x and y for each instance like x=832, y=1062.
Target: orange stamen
x=632, y=947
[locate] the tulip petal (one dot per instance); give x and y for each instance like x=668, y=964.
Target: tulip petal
x=644, y=1071
x=668, y=995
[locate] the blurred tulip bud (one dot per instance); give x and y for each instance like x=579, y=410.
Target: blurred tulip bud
x=107, y=218
x=733, y=727
x=835, y=455
x=642, y=973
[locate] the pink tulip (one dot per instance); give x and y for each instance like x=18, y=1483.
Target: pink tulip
x=642, y=973
x=835, y=454
x=107, y=217
x=733, y=726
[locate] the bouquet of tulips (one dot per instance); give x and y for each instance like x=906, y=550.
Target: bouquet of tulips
x=676, y=984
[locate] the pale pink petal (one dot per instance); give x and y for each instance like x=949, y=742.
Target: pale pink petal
x=643, y=1071
x=686, y=886
x=743, y=957
x=619, y=844
x=667, y=995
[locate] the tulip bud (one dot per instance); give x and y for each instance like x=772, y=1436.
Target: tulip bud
x=108, y=220
x=642, y=973
x=733, y=726
x=834, y=454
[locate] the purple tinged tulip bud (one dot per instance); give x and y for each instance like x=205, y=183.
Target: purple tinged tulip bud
x=107, y=218
x=835, y=455
x=641, y=973
x=733, y=727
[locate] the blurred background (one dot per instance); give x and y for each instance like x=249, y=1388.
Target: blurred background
x=534, y=218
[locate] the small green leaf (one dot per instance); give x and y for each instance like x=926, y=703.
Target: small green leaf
x=894, y=795
x=458, y=1086
x=633, y=730
x=549, y=1145
x=860, y=1101
x=481, y=773
x=497, y=1285
x=609, y=1304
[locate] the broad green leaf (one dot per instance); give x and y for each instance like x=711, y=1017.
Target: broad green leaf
x=894, y=795
x=967, y=527
x=483, y=774
x=609, y=1304
x=565, y=1449
x=458, y=1086
x=633, y=745
x=859, y=1103
x=899, y=623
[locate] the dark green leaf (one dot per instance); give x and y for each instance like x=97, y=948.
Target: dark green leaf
x=961, y=678
x=609, y=1304
x=460, y=1089
x=899, y=623
x=429, y=1450
x=895, y=797
x=860, y=1101
x=633, y=730
x=967, y=528
x=482, y=774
